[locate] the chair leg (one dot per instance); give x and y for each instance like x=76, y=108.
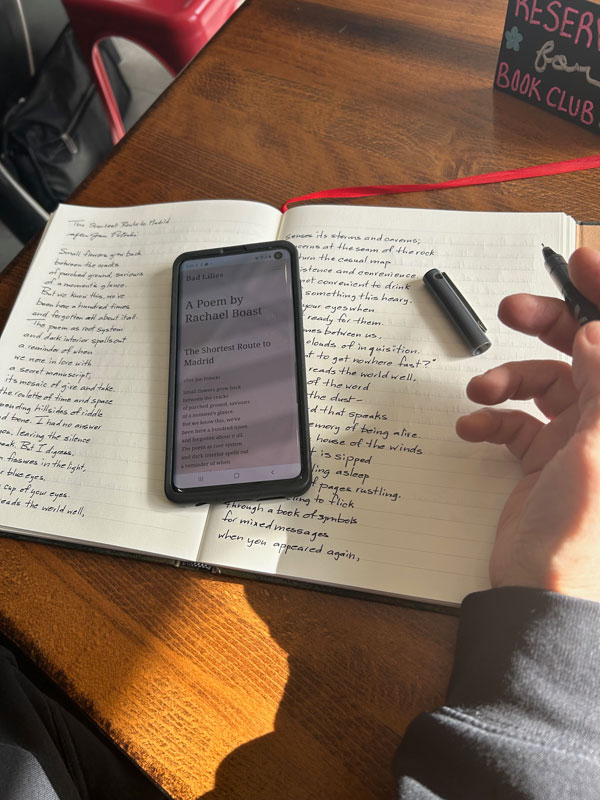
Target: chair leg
x=108, y=98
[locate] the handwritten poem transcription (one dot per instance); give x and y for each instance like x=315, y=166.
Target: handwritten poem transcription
x=83, y=390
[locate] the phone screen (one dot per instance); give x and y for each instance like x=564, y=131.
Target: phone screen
x=236, y=417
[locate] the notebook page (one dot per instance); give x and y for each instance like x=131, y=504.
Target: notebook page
x=398, y=504
x=83, y=381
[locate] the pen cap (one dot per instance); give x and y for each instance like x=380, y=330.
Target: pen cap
x=458, y=311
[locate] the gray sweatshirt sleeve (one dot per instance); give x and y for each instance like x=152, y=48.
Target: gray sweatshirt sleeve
x=522, y=715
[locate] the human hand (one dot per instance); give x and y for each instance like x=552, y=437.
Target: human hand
x=548, y=535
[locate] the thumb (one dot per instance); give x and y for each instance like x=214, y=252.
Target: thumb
x=586, y=374
x=584, y=269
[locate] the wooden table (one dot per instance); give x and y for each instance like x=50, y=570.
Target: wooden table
x=230, y=688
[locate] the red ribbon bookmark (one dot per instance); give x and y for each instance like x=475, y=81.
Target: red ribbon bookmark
x=554, y=168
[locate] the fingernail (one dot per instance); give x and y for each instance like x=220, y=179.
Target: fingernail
x=481, y=413
x=591, y=331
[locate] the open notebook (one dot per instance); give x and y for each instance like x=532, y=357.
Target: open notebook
x=399, y=505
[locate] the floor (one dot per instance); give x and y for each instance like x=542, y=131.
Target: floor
x=147, y=78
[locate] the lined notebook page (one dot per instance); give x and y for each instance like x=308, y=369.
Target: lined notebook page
x=398, y=504
x=83, y=382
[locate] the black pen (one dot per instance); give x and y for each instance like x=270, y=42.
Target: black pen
x=581, y=308
x=459, y=312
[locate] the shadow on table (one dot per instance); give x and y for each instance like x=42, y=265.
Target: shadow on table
x=345, y=706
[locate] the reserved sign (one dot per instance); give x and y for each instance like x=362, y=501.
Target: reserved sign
x=550, y=56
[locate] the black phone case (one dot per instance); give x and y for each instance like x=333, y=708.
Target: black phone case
x=262, y=490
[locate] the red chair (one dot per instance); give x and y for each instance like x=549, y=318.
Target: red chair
x=172, y=30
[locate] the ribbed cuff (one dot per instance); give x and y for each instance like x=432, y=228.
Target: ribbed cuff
x=530, y=653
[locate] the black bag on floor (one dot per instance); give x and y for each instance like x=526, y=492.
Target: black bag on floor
x=55, y=136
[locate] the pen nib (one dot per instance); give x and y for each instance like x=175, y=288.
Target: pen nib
x=547, y=252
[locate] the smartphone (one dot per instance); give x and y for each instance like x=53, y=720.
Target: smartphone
x=237, y=410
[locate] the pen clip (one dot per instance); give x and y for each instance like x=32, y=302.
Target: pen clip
x=463, y=300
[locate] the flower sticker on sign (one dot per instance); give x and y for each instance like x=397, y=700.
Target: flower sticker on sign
x=550, y=57
x=513, y=38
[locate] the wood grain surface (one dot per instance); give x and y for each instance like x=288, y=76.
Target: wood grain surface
x=227, y=688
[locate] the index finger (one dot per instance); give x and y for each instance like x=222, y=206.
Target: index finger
x=548, y=318
x=584, y=271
